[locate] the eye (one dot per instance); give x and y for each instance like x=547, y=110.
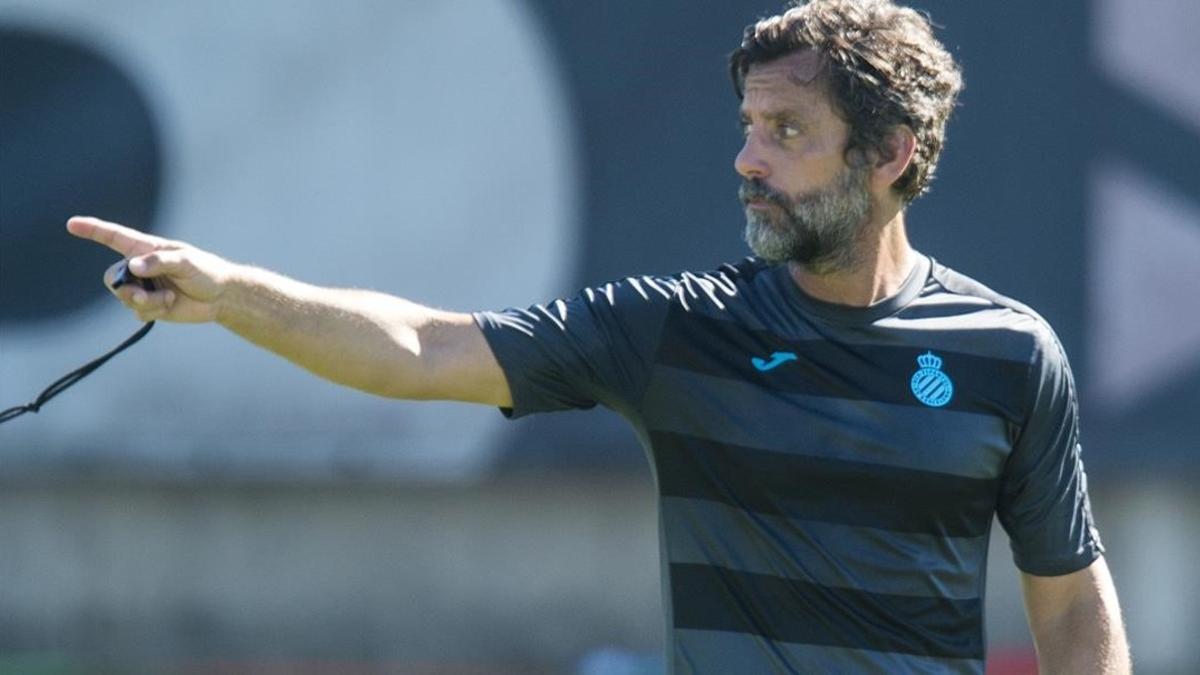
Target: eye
x=787, y=131
x=745, y=127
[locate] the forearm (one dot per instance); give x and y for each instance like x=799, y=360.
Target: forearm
x=370, y=341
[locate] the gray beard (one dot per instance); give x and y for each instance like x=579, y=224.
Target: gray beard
x=819, y=230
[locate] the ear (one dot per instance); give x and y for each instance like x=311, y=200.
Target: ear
x=900, y=146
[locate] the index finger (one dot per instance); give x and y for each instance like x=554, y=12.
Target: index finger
x=124, y=240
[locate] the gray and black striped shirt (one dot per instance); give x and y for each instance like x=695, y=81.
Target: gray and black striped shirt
x=827, y=475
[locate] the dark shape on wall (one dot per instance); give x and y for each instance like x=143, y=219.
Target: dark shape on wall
x=76, y=136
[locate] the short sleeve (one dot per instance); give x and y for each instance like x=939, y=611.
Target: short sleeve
x=593, y=348
x=1044, y=503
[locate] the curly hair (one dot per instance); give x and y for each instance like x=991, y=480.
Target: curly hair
x=882, y=66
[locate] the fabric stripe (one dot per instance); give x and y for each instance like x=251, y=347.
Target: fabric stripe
x=863, y=371
x=957, y=312
x=822, y=489
x=994, y=329
x=702, y=652
x=868, y=559
x=715, y=598
x=927, y=439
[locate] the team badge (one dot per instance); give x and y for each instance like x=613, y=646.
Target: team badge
x=929, y=384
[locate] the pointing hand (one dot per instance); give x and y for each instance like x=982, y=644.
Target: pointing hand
x=190, y=281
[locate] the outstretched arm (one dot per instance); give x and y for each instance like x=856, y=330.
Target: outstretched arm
x=1076, y=622
x=370, y=341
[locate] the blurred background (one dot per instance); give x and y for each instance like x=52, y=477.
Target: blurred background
x=201, y=506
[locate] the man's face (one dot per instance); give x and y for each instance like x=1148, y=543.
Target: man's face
x=803, y=202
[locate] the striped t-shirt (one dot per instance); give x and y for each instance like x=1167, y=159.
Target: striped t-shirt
x=827, y=475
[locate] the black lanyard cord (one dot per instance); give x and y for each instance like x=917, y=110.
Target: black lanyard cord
x=66, y=381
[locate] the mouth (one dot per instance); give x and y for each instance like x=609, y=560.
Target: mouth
x=758, y=205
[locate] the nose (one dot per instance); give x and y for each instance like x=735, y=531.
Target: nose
x=749, y=162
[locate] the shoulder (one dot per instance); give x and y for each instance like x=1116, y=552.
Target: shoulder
x=687, y=289
x=730, y=275
x=955, y=282
x=1030, y=337
x=994, y=309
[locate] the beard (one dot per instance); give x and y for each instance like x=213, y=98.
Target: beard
x=819, y=229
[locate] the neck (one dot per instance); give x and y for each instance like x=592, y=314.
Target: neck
x=884, y=261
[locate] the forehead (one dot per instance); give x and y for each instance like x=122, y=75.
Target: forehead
x=791, y=81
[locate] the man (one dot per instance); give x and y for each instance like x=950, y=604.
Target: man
x=832, y=424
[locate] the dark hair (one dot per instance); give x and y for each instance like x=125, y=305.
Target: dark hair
x=882, y=67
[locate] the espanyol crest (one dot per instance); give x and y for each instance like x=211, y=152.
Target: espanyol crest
x=929, y=384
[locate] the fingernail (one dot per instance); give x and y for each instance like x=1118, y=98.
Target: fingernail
x=137, y=265
x=170, y=298
x=139, y=297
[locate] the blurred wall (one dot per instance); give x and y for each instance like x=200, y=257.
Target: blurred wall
x=153, y=574
x=477, y=154
x=524, y=573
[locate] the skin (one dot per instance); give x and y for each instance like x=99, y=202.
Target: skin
x=794, y=142
x=1076, y=622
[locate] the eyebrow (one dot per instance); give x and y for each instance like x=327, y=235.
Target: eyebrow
x=785, y=114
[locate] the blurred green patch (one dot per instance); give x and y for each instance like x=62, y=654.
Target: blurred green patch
x=53, y=663
x=40, y=664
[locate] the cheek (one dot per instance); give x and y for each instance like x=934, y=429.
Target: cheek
x=811, y=164
x=825, y=151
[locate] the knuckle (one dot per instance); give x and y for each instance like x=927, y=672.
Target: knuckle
x=169, y=258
